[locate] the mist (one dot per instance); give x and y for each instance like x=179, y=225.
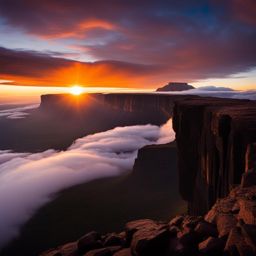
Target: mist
x=28, y=181
x=219, y=92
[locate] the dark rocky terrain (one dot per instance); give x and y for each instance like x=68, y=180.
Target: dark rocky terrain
x=216, y=150
x=175, y=87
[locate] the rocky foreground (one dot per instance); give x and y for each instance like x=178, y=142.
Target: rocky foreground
x=229, y=228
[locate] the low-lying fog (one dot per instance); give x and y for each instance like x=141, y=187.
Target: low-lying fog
x=27, y=181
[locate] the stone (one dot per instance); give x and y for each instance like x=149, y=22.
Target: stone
x=89, y=242
x=250, y=158
x=69, y=249
x=133, y=226
x=205, y=229
x=236, y=245
x=146, y=242
x=51, y=252
x=191, y=221
x=211, y=216
x=225, y=223
x=99, y=252
x=247, y=211
x=107, y=251
x=212, y=246
x=113, y=239
x=123, y=252
x=249, y=234
x=177, y=221
x=248, y=179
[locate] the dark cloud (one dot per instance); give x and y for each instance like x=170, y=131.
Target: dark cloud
x=34, y=68
x=183, y=40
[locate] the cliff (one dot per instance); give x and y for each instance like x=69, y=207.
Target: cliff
x=212, y=136
x=135, y=102
x=146, y=106
x=175, y=86
x=217, y=176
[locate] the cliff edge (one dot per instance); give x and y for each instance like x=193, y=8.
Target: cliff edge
x=212, y=136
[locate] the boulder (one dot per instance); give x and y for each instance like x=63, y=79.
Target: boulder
x=236, y=244
x=89, y=242
x=107, y=251
x=248, y=179
x=123, y=252
x=212, y=246
x=247, y=211
x=225, y=222
x=205, y=229
x=177, y=221
x=114, y=239
x=150, y=241
x=133, y=226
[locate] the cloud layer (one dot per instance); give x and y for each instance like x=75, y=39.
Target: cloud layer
x=220, y=92
x=17, y=113
x=27, y=181
x=130, y=44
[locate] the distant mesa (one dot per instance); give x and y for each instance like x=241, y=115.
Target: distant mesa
x=175, y=86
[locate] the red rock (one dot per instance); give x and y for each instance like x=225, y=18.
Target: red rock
x=133, y=226
x=177, y=221
x=247, y=211
x=206, y=229
x=212, y=246
x=248, y=179
x=236, y=245
x=150, y=241
x=113, y=239
x=89, y=242
x=107, y=251
x=123, y=252
x=225, y=222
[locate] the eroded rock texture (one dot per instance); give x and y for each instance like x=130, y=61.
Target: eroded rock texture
x=212, y=137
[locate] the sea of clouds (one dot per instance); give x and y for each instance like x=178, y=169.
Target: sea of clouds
x=28, y=181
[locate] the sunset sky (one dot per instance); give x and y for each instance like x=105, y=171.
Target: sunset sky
x=135, y=44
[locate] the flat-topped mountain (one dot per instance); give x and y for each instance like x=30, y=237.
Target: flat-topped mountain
x=175, y=87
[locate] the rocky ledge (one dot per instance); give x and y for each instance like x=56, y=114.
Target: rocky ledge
x=227, y=229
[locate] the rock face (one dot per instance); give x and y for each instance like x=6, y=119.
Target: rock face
x=175, y=86
x=212, y=137
x=138, y=102
x=222, y=231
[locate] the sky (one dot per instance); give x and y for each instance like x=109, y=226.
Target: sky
x=128, y=44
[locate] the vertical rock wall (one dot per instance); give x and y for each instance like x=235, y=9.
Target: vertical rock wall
x=212, y=135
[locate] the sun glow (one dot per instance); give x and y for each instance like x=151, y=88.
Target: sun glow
x=76, y=90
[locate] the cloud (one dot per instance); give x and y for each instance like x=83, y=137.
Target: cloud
x=17, y=113
x=27, y=181
x=162, y=40
x=35, y=68
x=219, y=92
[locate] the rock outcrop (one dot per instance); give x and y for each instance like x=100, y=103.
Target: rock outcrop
x=175, y=86
x=212, y=137
x=227, y=229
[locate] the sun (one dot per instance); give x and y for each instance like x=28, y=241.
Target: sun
x=76, y=90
